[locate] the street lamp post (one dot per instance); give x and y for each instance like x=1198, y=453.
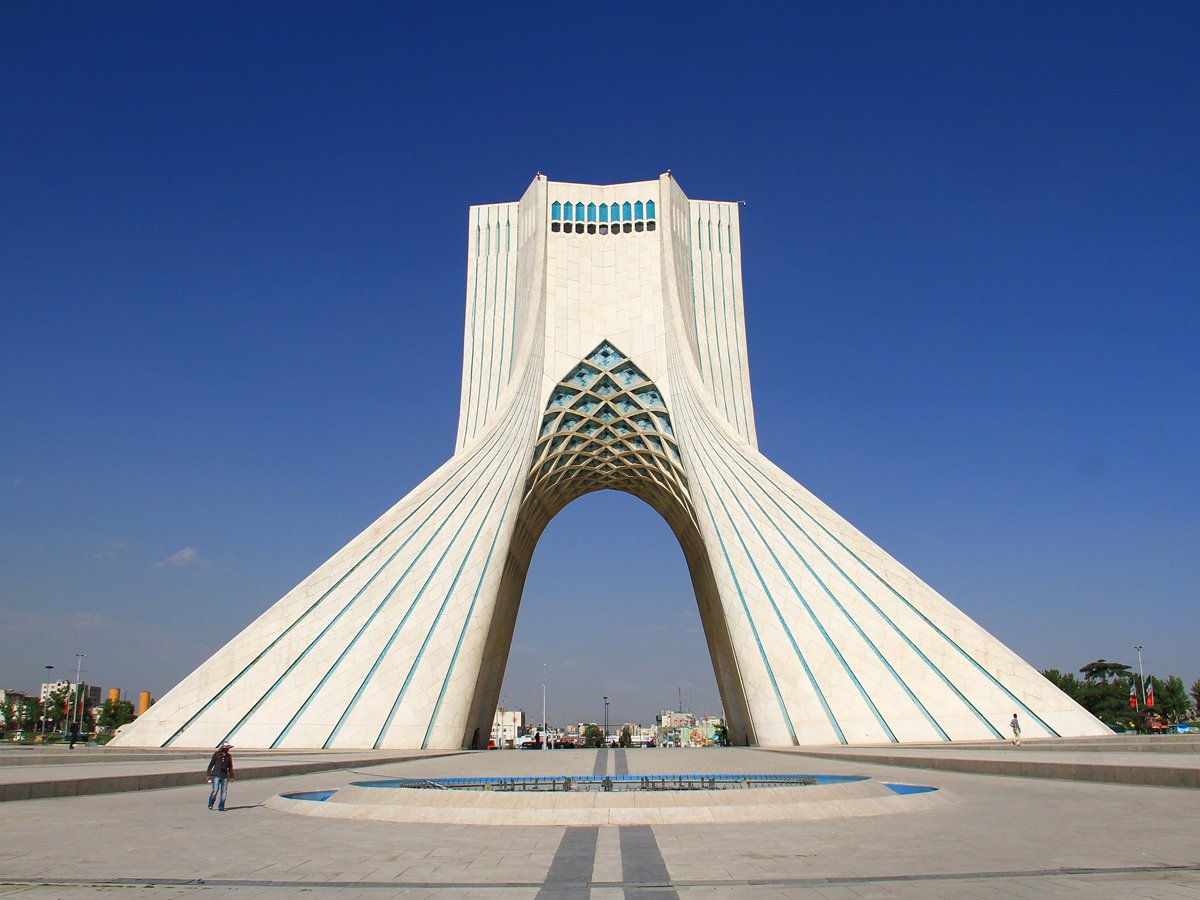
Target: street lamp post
x=1141, y=676
x=79, y=657
x=49, y=669
x=605, y=723
x=545, y=735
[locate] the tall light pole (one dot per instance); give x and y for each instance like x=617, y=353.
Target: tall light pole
x=49, y=669
x=605, y=723
x=545, y=735
x=79, y=657
x=1142, y=677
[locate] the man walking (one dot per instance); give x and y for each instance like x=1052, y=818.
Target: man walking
x=220, y=772
x=1015, y=725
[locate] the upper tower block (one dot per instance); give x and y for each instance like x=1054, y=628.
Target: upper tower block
x=570, y=265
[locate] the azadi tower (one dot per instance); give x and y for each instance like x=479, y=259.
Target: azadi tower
x=605, y=348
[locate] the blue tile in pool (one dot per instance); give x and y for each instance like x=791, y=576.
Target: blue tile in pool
x=548, y=781
x=909, y=788
x=309, y=795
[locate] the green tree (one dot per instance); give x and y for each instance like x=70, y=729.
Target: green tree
x=31, y=713
x=626, y=737
x=1105, y=691
x=1171, y=698
x=56, y=708
x=1103, y=671
x=1196, y=693
x=721, y=735
x=115, y=713
x=593, y=736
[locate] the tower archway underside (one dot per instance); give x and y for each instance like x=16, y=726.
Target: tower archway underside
x=606, y=427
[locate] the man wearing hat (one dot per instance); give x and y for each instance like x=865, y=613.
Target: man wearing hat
x=220, y=771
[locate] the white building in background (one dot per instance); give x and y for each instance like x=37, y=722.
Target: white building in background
x=507, y=726
x=91, y=693
x=605, y=349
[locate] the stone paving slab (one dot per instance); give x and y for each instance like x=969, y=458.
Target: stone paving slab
x=1178, y=770
x=1002, y=837
x=64, y=777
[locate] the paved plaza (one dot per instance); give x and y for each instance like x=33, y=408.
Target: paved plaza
x=990, y=836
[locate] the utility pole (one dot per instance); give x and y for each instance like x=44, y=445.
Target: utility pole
x=545, y=734
x=79, y=658
x=49, y=669
x=1139, y=648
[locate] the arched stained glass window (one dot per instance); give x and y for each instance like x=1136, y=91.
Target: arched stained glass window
x=649, y=209
x=638, y=211
x=603, y=213
x=578, y=212
x=616, y=212
x=568, y=212
x=627, y=211
x=556, y=211
x=591, y=212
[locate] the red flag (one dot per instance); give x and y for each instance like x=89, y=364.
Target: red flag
x=1149, y=687
x=1133, y=693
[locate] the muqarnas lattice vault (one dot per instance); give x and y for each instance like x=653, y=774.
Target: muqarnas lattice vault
x=605, y=348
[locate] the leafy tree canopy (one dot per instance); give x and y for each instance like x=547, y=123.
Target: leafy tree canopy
x=116, y=713
x=1171, y=698
x=1103, y=671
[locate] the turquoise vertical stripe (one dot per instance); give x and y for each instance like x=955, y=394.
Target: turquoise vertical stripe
x=378, y=608
x=399, y=627
x=832, y=717
x=829, y=642
x=467, y=619
x=316, y=603
x=899, y=631
x=483, y=523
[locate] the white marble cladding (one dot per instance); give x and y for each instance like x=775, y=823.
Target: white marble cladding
x=604, y=287
x=816, y=634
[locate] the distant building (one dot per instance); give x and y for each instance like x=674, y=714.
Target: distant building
x=507, y=725
x=91, y=693
x=92, y=701
x=640, y=735
x=685, y=729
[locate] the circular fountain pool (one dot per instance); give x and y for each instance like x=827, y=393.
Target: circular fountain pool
x=704, y=798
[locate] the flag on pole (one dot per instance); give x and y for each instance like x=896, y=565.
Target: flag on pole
x=1132, y=693
x=1148, y=687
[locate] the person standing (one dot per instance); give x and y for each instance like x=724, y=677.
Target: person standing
x=220, y=772
x=74, y=730
x=1015, y=725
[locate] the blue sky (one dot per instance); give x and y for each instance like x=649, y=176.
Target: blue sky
x=233, y=253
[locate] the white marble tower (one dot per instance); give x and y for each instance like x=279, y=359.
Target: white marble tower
x=605, y=348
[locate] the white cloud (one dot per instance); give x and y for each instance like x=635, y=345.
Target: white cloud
x=111, y=550
x=182, y=558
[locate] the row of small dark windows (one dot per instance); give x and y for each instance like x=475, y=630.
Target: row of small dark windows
x=615, y=212
x=593, y=228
